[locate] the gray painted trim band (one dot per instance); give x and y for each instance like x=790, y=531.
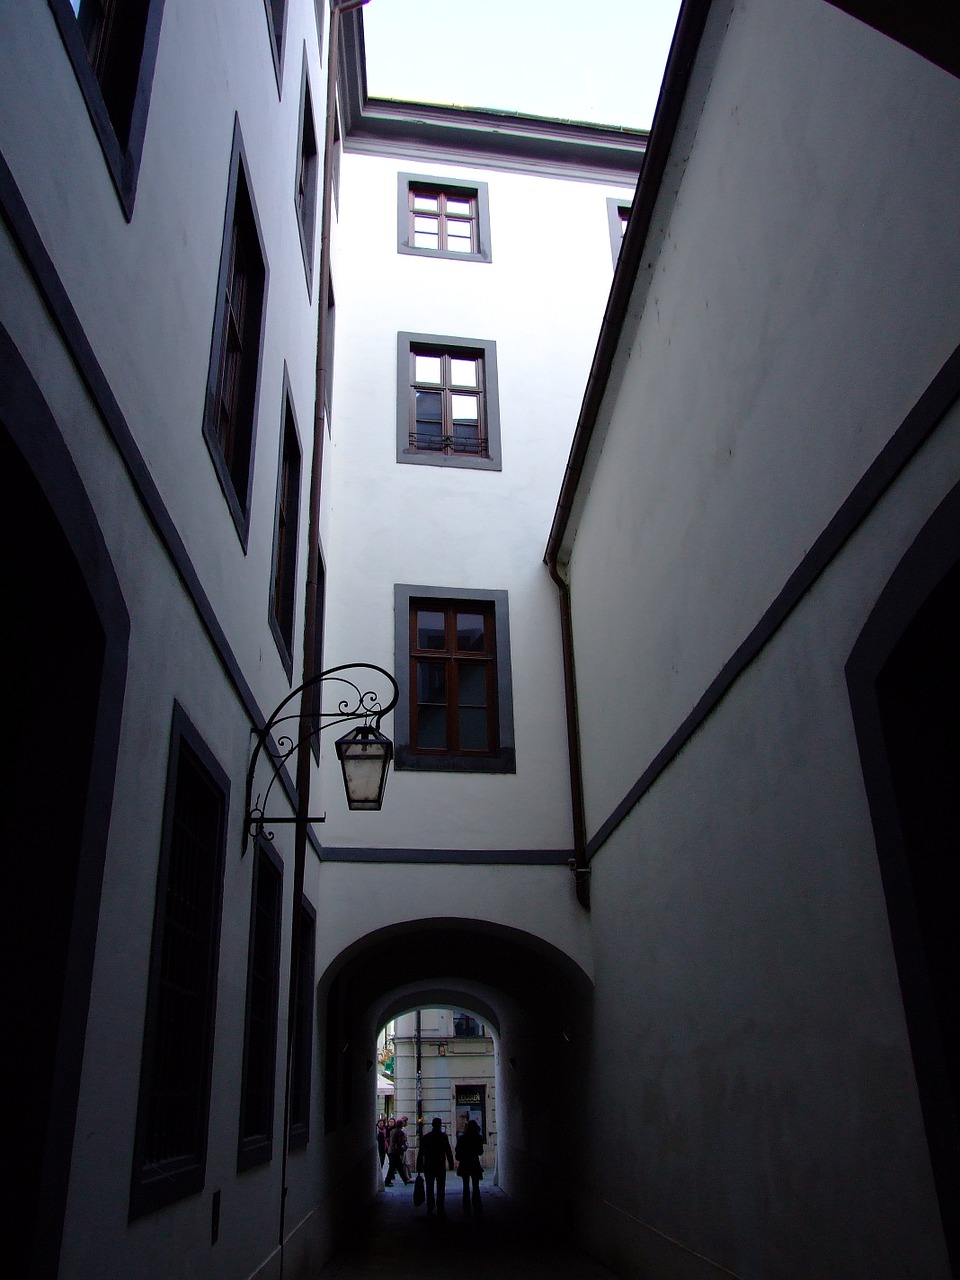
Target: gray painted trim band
x=27, y=239
x=912, y=433
x=457, y=857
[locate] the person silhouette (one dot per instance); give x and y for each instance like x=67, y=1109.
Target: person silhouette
x=433, y=1160
x=469, y=1151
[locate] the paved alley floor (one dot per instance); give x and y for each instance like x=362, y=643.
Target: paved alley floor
x=503, y=1243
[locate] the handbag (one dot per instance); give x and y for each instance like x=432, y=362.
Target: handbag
x=419, y=1190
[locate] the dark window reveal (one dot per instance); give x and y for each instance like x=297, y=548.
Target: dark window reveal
x=260, y=1034
x=112, y=45
x=300, y=1078
x=284, y=589
x=235, y=352
x=171, y=1142
x=307, y=172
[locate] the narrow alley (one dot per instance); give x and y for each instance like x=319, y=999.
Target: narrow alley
x=505, y=1243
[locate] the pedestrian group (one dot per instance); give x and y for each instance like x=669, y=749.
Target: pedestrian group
x=434, y=1159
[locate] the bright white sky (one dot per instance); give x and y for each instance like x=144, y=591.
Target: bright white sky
x=544, y=57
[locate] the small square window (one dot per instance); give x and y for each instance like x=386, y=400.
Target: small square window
x=455, y=712
x=439, y=218
x=447, y=412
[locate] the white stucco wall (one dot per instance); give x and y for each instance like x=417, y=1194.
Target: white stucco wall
x=801, y=295
x=144, y=293
x=762, y=395
x=540, y=299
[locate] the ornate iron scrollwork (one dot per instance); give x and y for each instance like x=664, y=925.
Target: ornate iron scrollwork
x=357, y=703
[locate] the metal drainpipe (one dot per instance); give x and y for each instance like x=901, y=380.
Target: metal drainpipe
x=578, y=863
x=304, y=755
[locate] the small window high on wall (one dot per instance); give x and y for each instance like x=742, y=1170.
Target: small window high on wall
x=443, y=218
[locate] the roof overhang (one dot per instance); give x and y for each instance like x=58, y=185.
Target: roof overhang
x=382, y=125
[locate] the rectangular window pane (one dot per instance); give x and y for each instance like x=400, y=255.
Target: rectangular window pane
x=470, y=632
x=459, y=236
x=463, y=373
x=472, y=684
x=473, y=729
x=459, y=206
x=430, y=630
x=423, y=201
x=428, y=368
x=465, y=408
x=426, y=240
x=421, y=223
x=432, y=728
x=431, y=682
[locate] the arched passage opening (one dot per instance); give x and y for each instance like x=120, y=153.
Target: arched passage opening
x=65, y=633
x=534, y=997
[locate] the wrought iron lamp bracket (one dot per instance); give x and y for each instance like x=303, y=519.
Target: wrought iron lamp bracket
x=356, y=704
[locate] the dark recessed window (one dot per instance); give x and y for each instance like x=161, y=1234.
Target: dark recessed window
x=171, y=1139
x=283, y=595
x=235, y=352
x=260, y=1031
x=453, y=678
x=448, y=413
x=276, y=10
x=307, y=171
x=112, y=45
x=301, y=1070
x=455, y=709
x=329, y=341
x=440, y=218
x=316, y=697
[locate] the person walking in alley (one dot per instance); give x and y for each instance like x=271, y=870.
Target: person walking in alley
x=398, y=1146
x=469, y=1151
x=382, y=1140
x=433, y=1159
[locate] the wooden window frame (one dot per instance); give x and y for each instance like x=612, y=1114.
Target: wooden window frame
x=157, y=1182
x=483, y=350
x=453, y=660
x=447, y=388
x=500, y=757
x=233, y=386
x=443, y=216
x=258, y=1077
x=447, y=188
x=283, y=577
x=115, y=77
